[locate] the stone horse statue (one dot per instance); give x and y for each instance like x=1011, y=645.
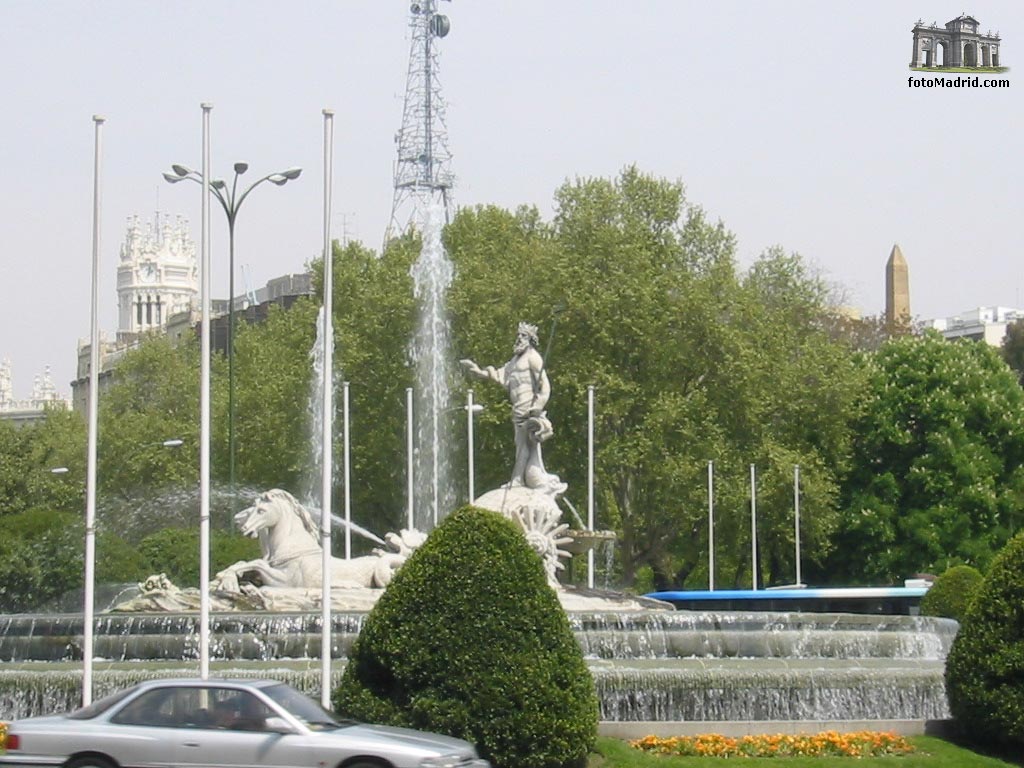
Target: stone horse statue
x=292, y=555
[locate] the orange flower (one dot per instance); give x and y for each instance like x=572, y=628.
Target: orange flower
x=859, y=744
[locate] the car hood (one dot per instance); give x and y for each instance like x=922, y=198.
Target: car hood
x=433, y=743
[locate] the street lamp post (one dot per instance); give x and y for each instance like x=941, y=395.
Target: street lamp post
x=231, y=201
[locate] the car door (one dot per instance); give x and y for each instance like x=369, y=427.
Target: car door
x=232, y=733
x=141, y=733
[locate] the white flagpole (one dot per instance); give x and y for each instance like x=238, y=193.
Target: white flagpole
x=590, y=480
x=347, y=469
x=711, y=526
x=796, y=522
x=410, y=521
x=94, y=385
x=469, y=443
x=204, y=412
x=328, y=423
x=753, y=528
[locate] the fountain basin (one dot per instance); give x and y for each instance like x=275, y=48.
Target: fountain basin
x=648, y=665
x=583, y=541
x=662, y=690
x=262, y=636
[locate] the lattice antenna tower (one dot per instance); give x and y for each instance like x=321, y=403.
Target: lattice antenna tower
x=423, y=176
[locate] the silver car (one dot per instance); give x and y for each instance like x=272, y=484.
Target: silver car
x=186, y=723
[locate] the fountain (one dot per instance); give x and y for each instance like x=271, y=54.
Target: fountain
x=430, y=353
x=650, y=664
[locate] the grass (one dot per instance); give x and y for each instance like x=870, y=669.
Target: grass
x=931, y=753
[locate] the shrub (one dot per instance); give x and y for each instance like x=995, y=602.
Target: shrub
x=41, y=556
x=175, y=551
x=986, y=663
x=470, y=640
x=117, y=561
x=951, y=593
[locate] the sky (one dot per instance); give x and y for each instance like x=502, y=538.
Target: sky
x=791, y=121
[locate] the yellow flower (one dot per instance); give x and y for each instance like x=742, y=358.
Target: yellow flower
x=860, y=744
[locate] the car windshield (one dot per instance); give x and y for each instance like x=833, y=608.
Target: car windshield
x=100, y=706
x=304, y=709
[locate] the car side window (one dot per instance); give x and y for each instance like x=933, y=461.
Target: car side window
x=238, y=710
x=153, y=708
x=196, y=707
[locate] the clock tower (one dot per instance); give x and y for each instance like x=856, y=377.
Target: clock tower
x=157, y=276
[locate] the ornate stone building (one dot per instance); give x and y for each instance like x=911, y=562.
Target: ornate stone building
x=158, y=276
x=958, y=44
x=157, y=279
x=44, y=397
x=158, y=292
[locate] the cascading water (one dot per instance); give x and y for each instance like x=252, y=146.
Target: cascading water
x=315, y=410
x=430, y=353
x=312, y=489
x=647, y=665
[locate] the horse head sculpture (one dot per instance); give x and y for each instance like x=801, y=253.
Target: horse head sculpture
x=293, y=557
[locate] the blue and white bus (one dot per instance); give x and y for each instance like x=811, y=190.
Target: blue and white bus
x=891, y=601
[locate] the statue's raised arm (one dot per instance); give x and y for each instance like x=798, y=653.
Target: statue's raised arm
x=484, y=373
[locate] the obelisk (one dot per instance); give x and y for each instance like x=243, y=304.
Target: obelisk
x=897, y=289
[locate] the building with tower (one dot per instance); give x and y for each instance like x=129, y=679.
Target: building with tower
x=157, y=280
x=158, y=293
x=157, y=276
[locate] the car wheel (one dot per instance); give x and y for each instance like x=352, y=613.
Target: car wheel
x=90, y=761
x=367, y=764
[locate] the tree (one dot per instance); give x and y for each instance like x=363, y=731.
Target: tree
x=936, y=476
x=153, y=397
x=1013, y=348
x=373, y=325
x=951, y=593
x=273, y=375
x=986, y=662
x=28, y=455
x=469, y=640
x=637, y=293
x=42, y=558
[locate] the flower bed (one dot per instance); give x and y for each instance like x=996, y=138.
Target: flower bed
x=827, y=744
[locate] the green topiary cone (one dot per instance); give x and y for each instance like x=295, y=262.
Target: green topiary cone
x=469, y=640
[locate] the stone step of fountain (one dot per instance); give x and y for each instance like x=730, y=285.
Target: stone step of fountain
x=770, y=689
x=638, y=690
x=628, y=635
